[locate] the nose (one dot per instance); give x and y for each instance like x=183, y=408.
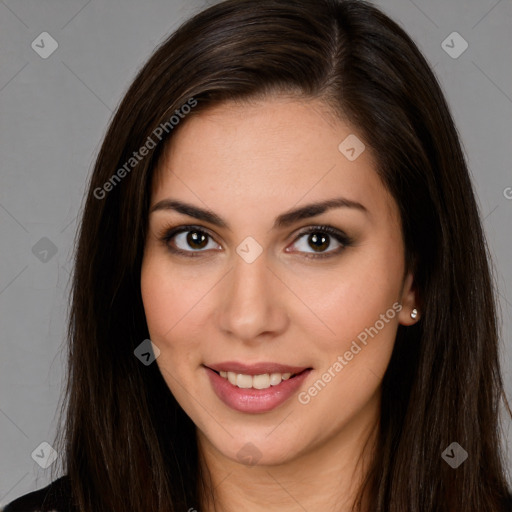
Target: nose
x=253, y=302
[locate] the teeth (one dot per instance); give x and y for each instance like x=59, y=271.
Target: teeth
x=263, y=381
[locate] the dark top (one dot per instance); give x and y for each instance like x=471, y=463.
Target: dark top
x=55, y=497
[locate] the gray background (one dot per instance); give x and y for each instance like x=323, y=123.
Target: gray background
x=54, y=113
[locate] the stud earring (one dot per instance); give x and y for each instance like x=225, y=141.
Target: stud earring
x=414, y=313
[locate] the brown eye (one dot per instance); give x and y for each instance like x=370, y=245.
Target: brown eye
x=197, y=239
x=188, y=241
x=318, y=242
x=325, y=241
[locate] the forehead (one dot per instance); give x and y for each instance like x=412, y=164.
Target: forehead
x=273, y=151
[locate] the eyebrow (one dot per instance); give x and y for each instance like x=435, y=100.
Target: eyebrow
x=284, y=220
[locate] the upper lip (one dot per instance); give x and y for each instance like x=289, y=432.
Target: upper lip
x=256, y=368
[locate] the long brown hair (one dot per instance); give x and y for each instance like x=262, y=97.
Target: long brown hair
x=127, y=443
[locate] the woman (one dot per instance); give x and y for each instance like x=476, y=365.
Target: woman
x=281, y=295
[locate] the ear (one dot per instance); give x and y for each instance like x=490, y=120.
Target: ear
x=409, y=301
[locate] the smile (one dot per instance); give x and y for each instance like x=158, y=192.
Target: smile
x=255, y=393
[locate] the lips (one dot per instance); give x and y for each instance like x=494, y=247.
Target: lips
x=253, y=401
x=256, y=368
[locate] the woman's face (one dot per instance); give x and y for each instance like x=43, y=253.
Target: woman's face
x=253, y=278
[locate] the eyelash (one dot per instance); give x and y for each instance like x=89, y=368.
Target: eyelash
x=168, y=234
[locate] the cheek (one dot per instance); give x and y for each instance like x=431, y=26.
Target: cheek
x=355, y=301
x=159, y=299
x=360, y=306
x=166, y=305
x=176, y=305
x=166, y=299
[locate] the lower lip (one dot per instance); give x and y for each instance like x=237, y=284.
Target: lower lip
x=255, y=400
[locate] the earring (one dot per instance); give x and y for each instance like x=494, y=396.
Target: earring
x=414, y=313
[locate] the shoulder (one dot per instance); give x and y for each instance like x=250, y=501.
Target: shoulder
x=55, y=497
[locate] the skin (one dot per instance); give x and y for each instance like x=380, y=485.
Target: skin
x=249, y=163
